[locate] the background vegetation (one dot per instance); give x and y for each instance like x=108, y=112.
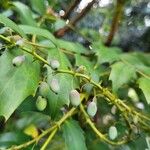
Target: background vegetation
x=75, y=74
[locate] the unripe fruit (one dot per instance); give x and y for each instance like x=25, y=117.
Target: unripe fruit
x=20, y=42
x=81, y=69
x=44, y=89
x=74, y=97
x=41, y=103
x=54, y=64
x=133, y=95
x=92, y=109
x=54, y=85
x=18, y=61
x=112, y=132
x=6, y=31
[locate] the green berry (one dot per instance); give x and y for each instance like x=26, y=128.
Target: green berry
x=81, y=69
x=133, y=95
x=18, y=61
x=54, y=85
x=54, y=64
x=6, y=31
x=41, y=103
x=20, y=42
x=74, y=97
x=112, y=132
x=92, y=109
x=44, y=89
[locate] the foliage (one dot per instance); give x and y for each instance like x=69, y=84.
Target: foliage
x=112, y=88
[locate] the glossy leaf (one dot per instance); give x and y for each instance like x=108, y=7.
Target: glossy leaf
x=16, y=83
x=121, y=74
x=81, y=60
x=105, y=54
x=144, y=85
x=12, y=138
x=73, y=136
x=7, y=22
x=38, y=31
x=25, y=13
x=71, y=46
x=38, y=6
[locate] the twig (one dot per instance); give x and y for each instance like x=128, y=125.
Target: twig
x=73, y=21
x=56, y=126
x=115, y=21
x=49, y=139
x=97, y=132
x=107, y=94
x=70, y=8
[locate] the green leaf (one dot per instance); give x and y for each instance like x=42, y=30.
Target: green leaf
x=105, y=54
x=94, y=73
x=7, y=22
x=38, y=6
x=25, y=13
x=71, y=46
x=121, y=74
x=16, y=83
x=38, y=31
x=139, y=61
x=67, y=82
x=144, y=85
x=8, y=139
x=73, y=135
x=81, y=60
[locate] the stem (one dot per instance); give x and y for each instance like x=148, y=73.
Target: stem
x=49, y=139
x=32, y=141
x=115, y=21
x=107, y=94
x=56, y=126
x=70, y=8
x=73, y=21
x=97, y=132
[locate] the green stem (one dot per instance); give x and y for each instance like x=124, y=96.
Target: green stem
x=97, y=132
x=49, y=139
x=107, y=94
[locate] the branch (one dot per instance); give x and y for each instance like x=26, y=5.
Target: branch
x=49, y=139
x=115, y=21
x=97, y=132
x=110, y=97
x=53, y=129
x=73, y=21
x=71, y=7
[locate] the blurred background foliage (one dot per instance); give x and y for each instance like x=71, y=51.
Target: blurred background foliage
x=133, y=32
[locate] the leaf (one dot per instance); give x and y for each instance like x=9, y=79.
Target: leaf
x=105, y=54
x=71, y=46
x=38, y=31
x=38, y=6
x=121, y=74
x=25, y=13
x=144, y=85
x=73, y=135
x=67, y=82
x=8, y=139
x=7, y=22
x=139, y=61
x=16, y=83
x=81, y=60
